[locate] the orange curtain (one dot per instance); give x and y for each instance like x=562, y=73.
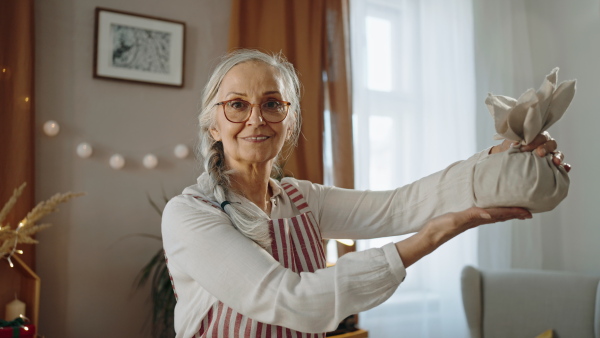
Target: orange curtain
x=312, y=34
x=17, y=110
x=339, y=91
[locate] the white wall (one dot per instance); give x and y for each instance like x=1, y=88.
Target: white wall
x=567, y=34
x=86, y=263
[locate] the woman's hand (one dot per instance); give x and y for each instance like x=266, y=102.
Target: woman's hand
x=445, y=227
x=543, y=144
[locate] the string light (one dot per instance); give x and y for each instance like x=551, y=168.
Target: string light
x=181, y=151
x=14, y=249
x=150, y=161
x=13, y=252
x=84, y=150
x=51, y=128
x=116, y=161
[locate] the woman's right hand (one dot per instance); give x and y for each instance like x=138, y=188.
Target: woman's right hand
x=542, y=144
x=441, y=229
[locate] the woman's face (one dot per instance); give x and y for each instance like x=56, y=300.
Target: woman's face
x=255, y=141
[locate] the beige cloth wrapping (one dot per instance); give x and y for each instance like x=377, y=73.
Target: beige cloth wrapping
x=532, y=182
x=534, y=112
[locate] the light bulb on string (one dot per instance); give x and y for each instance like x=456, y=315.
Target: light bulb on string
x=51, y=128
x=181, y=151
x=84, y=150
x=150, y=161
x=117, y=161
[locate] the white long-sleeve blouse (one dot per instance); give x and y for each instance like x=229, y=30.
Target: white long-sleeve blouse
x=210, y=261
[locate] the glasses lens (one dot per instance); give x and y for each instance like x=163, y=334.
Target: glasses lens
x=274, y=111
x=237, y=110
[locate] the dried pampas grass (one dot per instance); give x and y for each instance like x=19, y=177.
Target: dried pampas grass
x=9, y=237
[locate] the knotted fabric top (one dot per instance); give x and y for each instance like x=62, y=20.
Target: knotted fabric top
x=534, y=112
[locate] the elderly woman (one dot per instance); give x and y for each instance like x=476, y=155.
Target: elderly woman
x=245, y=250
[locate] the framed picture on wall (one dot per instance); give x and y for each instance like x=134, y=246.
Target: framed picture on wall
x=138, y=48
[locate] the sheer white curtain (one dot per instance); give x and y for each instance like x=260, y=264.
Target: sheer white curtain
x=414, y=114
x=504, y=66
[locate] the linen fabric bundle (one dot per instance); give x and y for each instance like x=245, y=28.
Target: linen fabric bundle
x=533, y=182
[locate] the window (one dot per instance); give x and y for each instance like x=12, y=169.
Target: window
x=414, y=114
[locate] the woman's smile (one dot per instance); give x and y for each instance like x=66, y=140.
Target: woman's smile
x=255, y=138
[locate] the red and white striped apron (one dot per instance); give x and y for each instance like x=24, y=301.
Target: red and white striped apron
x=297, y=245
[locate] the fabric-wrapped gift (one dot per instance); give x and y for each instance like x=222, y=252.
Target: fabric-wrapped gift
x=532, y=182
x=24, y=331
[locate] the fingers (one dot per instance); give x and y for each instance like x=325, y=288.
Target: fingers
x=558, y=160
x=546, y=148
x=558, y=157
x=537, y=141
x=474, y=217
x=544, y=144
x=502, y=214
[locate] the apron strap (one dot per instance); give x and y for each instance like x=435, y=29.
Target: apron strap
x=296, y=197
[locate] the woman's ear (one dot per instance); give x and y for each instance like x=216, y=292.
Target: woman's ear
x=215, y=134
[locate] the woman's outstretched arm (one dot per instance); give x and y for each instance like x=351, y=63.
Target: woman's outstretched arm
x=445, y=227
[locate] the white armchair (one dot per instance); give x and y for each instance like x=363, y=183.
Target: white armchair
x=525, y=303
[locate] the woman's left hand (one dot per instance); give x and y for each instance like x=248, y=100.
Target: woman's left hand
x=543, y=144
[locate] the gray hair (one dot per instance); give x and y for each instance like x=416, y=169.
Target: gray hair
x=250, y=221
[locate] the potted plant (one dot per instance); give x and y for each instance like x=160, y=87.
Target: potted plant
x=162, y=296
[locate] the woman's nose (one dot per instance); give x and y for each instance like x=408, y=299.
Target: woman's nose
x=255, y=115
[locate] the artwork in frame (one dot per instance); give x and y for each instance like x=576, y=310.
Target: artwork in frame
x=138, y=48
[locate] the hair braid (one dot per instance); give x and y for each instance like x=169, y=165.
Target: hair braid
x=250, y=221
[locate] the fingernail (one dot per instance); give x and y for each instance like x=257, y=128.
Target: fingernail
x=484, y=215
x=542, y=152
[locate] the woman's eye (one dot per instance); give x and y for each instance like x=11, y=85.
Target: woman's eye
x=237, y=105
x=271, y=104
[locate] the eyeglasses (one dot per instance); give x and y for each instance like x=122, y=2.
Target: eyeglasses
x=239, y=111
